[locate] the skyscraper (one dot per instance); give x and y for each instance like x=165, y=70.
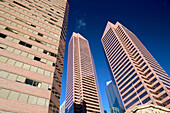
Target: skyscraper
x=62, y=107
x=32, y=44
x=139, y=77
x=113, y=97
x=82, y=94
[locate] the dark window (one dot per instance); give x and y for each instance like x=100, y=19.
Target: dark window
x=140, y=89
x=22, y=43
x=40, y=34
x=165, y=95
x=133, y=102
x=33, y=25
x=35, y=83
x=2, y=35
x=37, y=58
x=28, y=45
x=25, y=44
x=54, y=64
x=9, y=29
x=21, y=5
x=29, y=82
x=146, y=100
x=45, y=51
x=142, y=95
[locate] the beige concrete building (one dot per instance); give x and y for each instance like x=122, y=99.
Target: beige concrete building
x=148, y=108
x=139, y=77
x=32, y=44
x=82, y=94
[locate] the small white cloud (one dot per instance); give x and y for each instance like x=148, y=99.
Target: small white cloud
x=80, y=23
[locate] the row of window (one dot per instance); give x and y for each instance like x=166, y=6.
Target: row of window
x=25, y=16
x=117, y=57
x=36, y=9
x=25, y=66
x=115, y=48
x=130, y=85
x=24, y=35
x=54, y=10
x=51, y=9
x=106, y=39
x=137, y=100
x=5, y=111
x=22, y=79
x=24, y=6
x=121, y=61
x=118, y=68
x=25, y=54
x=126, y=77
x=132, y=89
x=26, y=98
x=27, y=45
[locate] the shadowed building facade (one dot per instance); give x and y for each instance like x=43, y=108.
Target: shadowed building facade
x=82, y=93
x=32, y=44
x=139, y=77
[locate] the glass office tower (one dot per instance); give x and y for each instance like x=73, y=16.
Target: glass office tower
x=113, y=97
x=138, y=76
x=32, y=44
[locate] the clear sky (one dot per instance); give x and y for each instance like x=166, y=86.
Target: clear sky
x=149, y=20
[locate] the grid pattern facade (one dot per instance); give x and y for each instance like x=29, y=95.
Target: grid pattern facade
x=139, y=78
x=32, y=44
x=82, y=94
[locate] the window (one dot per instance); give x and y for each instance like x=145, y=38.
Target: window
x=146, y=100
x=32, y=82
x=2, y=35
x=13, y=95
x=37, y=58
x=25, y=44
x=40, y=34
x=4, y=93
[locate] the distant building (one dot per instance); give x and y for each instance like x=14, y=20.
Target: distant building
x=148, y=109
x=62, y=107
x=82, y=94
x=138, y=76
x=114, y=110
x=113, y=96
x=32, y=45
x=105, y=111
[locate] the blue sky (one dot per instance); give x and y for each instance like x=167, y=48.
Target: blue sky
x=149, y=20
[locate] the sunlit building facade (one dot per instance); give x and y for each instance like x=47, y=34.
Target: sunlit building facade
x=32, y=44
x=139, y=77
x=149, y=108
x=82, y=93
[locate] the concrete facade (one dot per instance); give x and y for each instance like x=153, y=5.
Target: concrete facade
x=149, y=108
x=32, y=44
x=139, y=77
x=82, y=93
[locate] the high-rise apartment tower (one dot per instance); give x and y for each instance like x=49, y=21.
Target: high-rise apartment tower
x=32, y=44
x=139, y=77
x=82, y=93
